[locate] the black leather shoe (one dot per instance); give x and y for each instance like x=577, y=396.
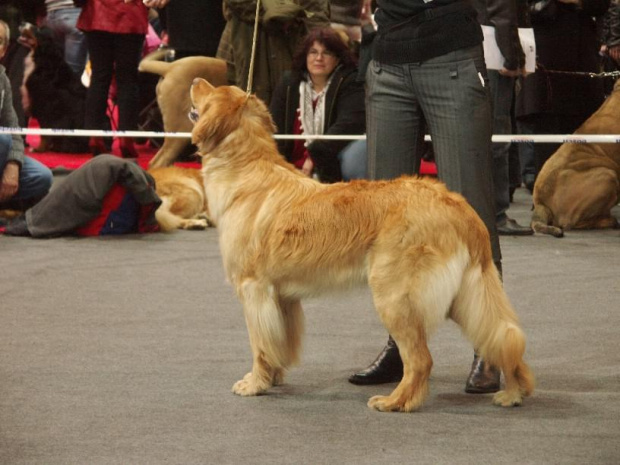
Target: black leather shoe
x=387, y=368
x=483, y=378
x=510, y=227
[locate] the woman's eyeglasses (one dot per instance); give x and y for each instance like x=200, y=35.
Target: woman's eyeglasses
x=314, y=53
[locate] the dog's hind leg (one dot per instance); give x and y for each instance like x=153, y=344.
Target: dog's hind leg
x=588, y=206
x=417, y=363
x=412, y=293
x=168, y=152
x=267, y=329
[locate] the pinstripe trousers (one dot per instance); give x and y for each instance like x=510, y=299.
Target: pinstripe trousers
x=450, y=96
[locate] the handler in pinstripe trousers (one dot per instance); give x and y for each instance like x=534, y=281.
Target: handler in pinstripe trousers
x=428, y=66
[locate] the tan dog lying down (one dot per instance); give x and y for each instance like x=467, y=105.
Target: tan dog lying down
x=173, y=96
x=579, y=184
x=184, y=202
x=283, y=236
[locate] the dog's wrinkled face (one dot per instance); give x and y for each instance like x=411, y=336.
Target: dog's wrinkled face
x=219, y=111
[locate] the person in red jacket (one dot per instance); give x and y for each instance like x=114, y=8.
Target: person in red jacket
x=115, y=32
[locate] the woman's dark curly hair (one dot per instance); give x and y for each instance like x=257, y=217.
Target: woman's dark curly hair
x=331, y=40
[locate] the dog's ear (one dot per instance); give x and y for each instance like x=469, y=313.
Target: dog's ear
x=200, y=89
x=219, y=115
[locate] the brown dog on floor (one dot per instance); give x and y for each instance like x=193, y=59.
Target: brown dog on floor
x=424, y=252
x=184, y=201
x=173, y=96
x=579, y=184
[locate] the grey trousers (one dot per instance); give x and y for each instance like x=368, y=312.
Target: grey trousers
x=451, y=94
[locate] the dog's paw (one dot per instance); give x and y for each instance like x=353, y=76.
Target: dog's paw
x=248, y=387
x=384, y=404
x=508, y=399
x=207, y=218
x=195, y=224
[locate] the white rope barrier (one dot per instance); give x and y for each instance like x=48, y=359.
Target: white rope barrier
x=498, y=138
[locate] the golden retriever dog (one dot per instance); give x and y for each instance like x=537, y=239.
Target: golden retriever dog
x=580, y=183
x=423, y=251
x=184, y=201
x=173, y=96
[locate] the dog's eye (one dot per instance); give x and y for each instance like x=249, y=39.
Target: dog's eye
x=193, y=115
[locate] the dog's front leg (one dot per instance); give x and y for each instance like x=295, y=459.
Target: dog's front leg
x=267, y=329
x=257, y=381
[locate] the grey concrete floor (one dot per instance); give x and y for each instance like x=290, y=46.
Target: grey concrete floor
x=124, y=351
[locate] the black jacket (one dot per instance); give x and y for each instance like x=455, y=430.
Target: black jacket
x=411, y=31
x=345, y=113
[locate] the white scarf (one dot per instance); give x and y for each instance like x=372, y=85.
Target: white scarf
x=312, y=117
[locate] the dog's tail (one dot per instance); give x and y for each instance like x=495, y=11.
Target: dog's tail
x=167, y=220
x=487, y=318
x=153, y=63
x=542, y=218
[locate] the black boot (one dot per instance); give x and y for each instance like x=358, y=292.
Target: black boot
x=483, y=378
x=387, y=368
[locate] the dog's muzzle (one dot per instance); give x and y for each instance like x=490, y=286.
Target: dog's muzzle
x=193, y=115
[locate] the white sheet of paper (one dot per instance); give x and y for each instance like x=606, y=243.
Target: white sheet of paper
x=495, y=59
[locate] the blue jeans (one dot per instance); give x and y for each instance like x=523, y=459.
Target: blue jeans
x=62, y=23
x=35, y=179
x=451, y=94
x=354, y=161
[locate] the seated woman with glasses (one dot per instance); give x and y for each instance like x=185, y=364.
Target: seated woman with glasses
x=321, y=96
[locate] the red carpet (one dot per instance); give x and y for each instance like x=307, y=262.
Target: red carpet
x=71, y=161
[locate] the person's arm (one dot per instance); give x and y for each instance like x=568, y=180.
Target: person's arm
x=9, y=179
x=154, y=3
x=9, y=182
x=503, y=17
x=8, y=118
x=317, y=13
x=612, y=41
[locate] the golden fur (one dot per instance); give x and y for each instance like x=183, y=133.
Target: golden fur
x=283, y=236
x=580, y=183
x=184, y=202
x=173, y=96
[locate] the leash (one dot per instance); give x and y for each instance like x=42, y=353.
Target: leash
x=253, y=53
x=606, y=74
